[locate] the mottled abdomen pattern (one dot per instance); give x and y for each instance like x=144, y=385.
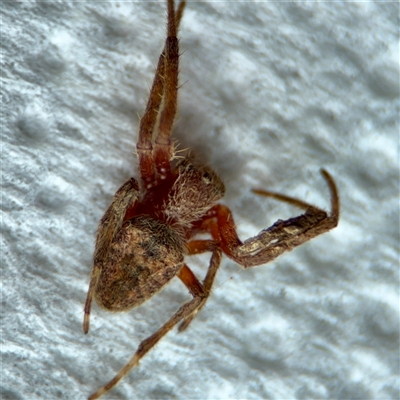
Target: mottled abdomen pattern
x=143, y=257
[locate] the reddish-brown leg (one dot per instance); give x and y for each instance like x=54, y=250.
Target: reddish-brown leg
x=190, y=280
x=281, y=237
x=144, y=145
x=163, y=150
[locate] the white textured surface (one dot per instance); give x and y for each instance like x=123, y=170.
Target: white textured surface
x=273, y=92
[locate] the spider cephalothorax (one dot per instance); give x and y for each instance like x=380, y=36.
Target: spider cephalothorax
x=149, y=228
x=195, y=190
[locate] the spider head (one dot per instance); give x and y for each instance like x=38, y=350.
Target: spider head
x=196, y=189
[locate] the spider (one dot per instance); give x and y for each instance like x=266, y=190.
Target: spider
x=149, y=228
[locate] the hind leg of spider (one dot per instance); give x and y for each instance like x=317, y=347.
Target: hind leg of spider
x=89, y=297
x=188, y=309
x=191, y=282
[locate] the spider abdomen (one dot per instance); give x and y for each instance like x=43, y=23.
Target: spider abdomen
x=143, y=257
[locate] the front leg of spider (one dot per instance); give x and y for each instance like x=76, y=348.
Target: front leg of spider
x=281, y=237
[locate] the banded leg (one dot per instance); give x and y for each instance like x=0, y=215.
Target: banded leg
x=284, y=236
x=281, y=237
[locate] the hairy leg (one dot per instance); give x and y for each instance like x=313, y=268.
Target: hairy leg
x=284, y=236
x=281, y=237
x=124, y=199
x=163, y=150
x=144, y=145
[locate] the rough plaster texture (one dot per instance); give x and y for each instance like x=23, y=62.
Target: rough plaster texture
x=272, y=92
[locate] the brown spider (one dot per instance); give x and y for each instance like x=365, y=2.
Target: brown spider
x=148, y=229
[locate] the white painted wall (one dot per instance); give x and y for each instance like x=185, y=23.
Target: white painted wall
x=272, y=92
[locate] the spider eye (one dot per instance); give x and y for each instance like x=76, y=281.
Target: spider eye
x=185, y=165
x=207, y=177
x=188, y=168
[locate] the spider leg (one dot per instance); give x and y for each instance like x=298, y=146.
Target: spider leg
x=190, y=280
x=144, y=145
x=302, y=204
x=185, y=311
x=164, y=148
x=281, y=237
x=286, y=235
x=207, y=285
x=89, y=297
x=124, y=199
